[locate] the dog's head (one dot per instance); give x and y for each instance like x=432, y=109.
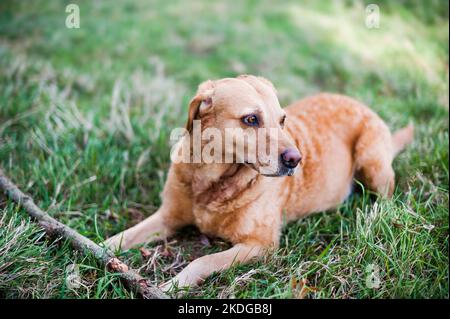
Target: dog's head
x=244, y=114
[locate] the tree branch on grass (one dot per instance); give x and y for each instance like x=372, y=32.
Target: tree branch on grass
x=52, y=227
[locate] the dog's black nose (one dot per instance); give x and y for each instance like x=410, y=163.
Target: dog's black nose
x=291, y=157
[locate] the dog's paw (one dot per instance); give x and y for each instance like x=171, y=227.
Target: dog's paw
x=167, y=287
x=113, y=243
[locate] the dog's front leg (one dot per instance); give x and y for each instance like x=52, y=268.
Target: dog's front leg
x=198, y=270
x=151, y=229
x=174, y=213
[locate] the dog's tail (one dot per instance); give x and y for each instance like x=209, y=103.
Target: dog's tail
x=402, y=137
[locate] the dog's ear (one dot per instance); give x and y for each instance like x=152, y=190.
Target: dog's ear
x=201, y=103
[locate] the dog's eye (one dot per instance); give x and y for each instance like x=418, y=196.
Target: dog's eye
x=283, y=119
x=250, y=120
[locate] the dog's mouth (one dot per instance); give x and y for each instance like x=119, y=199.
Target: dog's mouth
x=289, y=172
x=282, y=171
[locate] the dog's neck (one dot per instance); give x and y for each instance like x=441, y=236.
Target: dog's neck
x=215, y=185
x=207, y=176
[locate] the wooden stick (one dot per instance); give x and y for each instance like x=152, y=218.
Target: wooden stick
x=132, y=279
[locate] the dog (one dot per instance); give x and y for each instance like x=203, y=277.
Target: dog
x=327, y=140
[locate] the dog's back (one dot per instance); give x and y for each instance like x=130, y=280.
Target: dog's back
x=339, y=138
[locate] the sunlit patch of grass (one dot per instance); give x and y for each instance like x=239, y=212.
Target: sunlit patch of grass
x=395, y=44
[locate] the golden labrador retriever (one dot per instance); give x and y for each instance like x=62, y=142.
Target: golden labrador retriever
x=329, y=138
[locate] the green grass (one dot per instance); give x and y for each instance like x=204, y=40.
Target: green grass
x=86, y=115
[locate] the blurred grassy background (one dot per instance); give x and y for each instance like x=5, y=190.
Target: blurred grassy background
x=85, y=118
